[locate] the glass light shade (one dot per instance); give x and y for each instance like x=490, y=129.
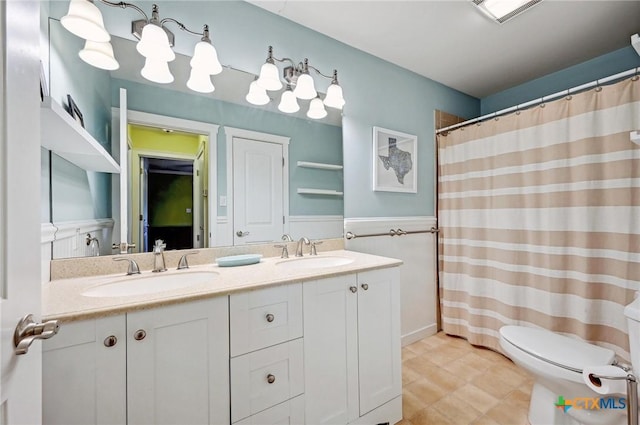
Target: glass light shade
x=205, y=58
x=157, y=71
x=288, y=102
x=316, y=109
x=99, y=55
x=200, y=81
x=154, y=43
x=257, y=95
x=269, y=78
x=334, y=97
x=84, y=19
x=501, y=8
x=304, y=88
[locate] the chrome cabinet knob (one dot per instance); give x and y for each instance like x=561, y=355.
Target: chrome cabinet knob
x=270, y=317
x=28, y=331
x=139, y=335
x=353, y=289
x=241, y=234
x=365, y=286
x=110, y=341
x=271, y=378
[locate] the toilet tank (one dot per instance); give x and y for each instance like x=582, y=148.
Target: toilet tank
x=632, y=311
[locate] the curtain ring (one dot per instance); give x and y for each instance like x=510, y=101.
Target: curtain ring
x=569, y=97
x=517, y=109
x=542, y=104
x=636, y=77
x=598, y=88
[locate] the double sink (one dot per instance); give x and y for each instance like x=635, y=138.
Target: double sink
x=151, y=283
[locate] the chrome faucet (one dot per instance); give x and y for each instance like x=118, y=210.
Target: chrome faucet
x=158, y=256
x=299, y=247
x=287, y=237
x=94, y=245
x=133, y=266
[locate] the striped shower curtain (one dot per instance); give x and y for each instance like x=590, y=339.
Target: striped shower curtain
x=539, y=217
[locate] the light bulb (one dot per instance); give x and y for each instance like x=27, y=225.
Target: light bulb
x=288, y=102
x=200, y=81
x=334, y=97
x=154, y=43
x=84, y=19
x=269, y=78
x=157, y=71
x=205, y=58
x=99, y=55
x=257, y=95
x=316, y=109
x=304, y=87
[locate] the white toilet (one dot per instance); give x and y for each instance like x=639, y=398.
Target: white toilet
x=557, y=362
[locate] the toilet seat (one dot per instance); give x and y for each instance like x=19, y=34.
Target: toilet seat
x=570, y=355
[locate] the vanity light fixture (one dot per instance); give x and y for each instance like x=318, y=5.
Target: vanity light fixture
x=84, y=19
x=299, y=85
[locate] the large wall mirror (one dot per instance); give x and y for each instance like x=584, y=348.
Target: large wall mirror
x=199, y=168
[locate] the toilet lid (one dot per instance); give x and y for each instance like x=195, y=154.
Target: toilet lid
x=557, y=349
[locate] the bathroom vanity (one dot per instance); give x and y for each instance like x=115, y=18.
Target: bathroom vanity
x=304, y=340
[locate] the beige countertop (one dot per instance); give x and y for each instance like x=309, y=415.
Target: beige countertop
x=63, y=299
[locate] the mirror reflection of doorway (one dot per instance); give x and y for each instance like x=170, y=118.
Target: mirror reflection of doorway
x=166, y=196
x=168, y=172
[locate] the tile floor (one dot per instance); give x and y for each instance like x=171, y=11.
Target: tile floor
x=447, y=381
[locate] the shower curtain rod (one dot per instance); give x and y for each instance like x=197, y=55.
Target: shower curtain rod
x=542, y=99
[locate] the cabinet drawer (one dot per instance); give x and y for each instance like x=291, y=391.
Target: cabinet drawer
x=265, y=378
x=265, y=317
x=290, y=412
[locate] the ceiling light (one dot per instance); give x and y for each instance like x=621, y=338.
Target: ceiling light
x=635, y=42
x=84, y=19
x=298, y=78
x=99, y=55
x=503, y=10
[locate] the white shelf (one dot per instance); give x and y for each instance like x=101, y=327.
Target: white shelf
x=63, y=135
x=305, y=191
x=319, y=165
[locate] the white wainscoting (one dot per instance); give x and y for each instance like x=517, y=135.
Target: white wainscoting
x=68, y=239
x=316, y=226
x=417, y=274
x=310, y=226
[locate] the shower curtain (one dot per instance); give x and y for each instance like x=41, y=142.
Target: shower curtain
x=539, y=217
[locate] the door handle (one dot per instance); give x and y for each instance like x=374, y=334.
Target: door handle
x=28, y=331
x=241, y=234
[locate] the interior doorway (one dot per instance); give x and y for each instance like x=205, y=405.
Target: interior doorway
x=167, y=202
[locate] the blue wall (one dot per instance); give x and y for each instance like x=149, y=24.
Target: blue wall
x=600, y=67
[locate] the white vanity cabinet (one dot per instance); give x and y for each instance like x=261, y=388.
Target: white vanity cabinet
x=352, y=349
x=166, y=365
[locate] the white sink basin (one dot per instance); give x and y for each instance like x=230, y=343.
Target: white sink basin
x=313, y=263
x=150, y=283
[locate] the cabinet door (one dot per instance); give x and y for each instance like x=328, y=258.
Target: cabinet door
x=379, y=360
x=330, y=350
x=178, y=364
x=84, y=373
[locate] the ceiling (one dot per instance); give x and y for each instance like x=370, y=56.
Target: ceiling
x=453, y=43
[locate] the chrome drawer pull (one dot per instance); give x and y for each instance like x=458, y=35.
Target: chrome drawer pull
x=270, y=317
x=139, y=335
x=271, y=378
x=110, y=341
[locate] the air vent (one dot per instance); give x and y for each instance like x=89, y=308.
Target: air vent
x=501, y=11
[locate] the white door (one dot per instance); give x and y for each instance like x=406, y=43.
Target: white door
x=20, y=264
x=198, y=206
x=258, y=210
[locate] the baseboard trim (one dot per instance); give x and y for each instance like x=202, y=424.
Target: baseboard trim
x=419, y=334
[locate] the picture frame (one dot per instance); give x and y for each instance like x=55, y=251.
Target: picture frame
x=395, y=165
x=74, y=111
